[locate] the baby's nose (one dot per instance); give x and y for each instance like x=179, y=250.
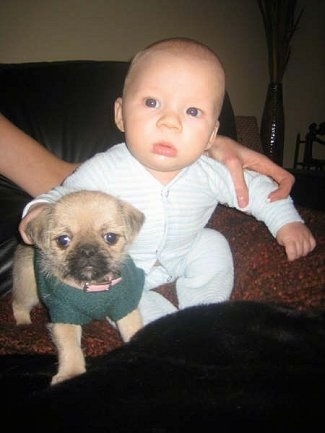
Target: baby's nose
x=170, y=119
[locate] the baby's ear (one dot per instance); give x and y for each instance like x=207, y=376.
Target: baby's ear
x=213, y=135
x=119, y=114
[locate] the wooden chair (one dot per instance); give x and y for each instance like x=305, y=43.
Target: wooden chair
x=311, y=138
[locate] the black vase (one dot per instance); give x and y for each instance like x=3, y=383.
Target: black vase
x=272, y=124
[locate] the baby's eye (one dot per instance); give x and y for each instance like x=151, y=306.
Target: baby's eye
x=193, y=111
x=111, y=238
x=63, y=241
x=152, y=103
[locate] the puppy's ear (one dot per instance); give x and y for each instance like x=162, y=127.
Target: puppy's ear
x=133, y=220
x=38, y=228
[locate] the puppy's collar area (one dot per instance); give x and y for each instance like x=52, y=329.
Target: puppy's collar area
x=102, y=287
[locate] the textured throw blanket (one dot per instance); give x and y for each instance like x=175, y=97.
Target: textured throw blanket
x=223, y=367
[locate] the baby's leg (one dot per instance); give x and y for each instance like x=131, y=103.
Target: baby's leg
x=207, y=276
x=152, y=304
x=207, y=273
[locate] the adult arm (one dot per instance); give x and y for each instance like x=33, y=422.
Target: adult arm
x=238, y=157
x=37, y=170
x=27, y=163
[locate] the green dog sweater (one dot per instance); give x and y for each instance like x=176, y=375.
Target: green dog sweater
x=67, y=304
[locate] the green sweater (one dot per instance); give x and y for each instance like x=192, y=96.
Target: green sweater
x=68, y=304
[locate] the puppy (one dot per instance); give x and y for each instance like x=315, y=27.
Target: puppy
x=79, y=268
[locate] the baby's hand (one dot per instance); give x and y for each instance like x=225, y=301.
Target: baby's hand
x=33, y=212
x=297, y=240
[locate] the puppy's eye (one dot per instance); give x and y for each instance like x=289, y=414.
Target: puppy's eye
x=63, y=241
x=111, y=238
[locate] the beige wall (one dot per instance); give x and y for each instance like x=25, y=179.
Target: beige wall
x=36, y=30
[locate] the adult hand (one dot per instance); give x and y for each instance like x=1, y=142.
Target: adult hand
x=237, y=157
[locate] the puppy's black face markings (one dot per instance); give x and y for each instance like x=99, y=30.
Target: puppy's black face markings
x=89, y=263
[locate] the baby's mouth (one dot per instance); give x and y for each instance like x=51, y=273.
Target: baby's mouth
x=164, y=149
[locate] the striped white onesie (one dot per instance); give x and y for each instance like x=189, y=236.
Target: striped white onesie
x=173, y=233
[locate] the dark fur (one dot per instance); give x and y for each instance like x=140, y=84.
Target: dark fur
x=220, y=368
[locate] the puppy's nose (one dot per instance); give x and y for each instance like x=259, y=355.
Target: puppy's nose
x=87, y=250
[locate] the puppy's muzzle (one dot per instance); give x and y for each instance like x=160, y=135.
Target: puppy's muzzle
x=88, y=263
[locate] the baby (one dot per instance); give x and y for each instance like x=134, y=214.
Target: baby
x=172, y=98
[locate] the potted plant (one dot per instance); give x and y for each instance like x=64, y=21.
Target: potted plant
x=281, y=21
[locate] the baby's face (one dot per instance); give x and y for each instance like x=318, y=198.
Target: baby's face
x=169, y=111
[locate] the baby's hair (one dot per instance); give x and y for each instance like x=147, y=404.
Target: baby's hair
x=179, y=46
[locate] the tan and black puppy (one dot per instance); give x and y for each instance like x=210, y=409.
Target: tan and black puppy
x=79, y=268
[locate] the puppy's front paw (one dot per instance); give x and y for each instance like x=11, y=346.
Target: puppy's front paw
x=130, y=324
x=61, y=377
x=21, y=315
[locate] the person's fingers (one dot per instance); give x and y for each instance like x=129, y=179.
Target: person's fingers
x=237, y=174
x=262, y=164
x=285, y=183
x=291, y=251
x=238, y=157
x=295, y=250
